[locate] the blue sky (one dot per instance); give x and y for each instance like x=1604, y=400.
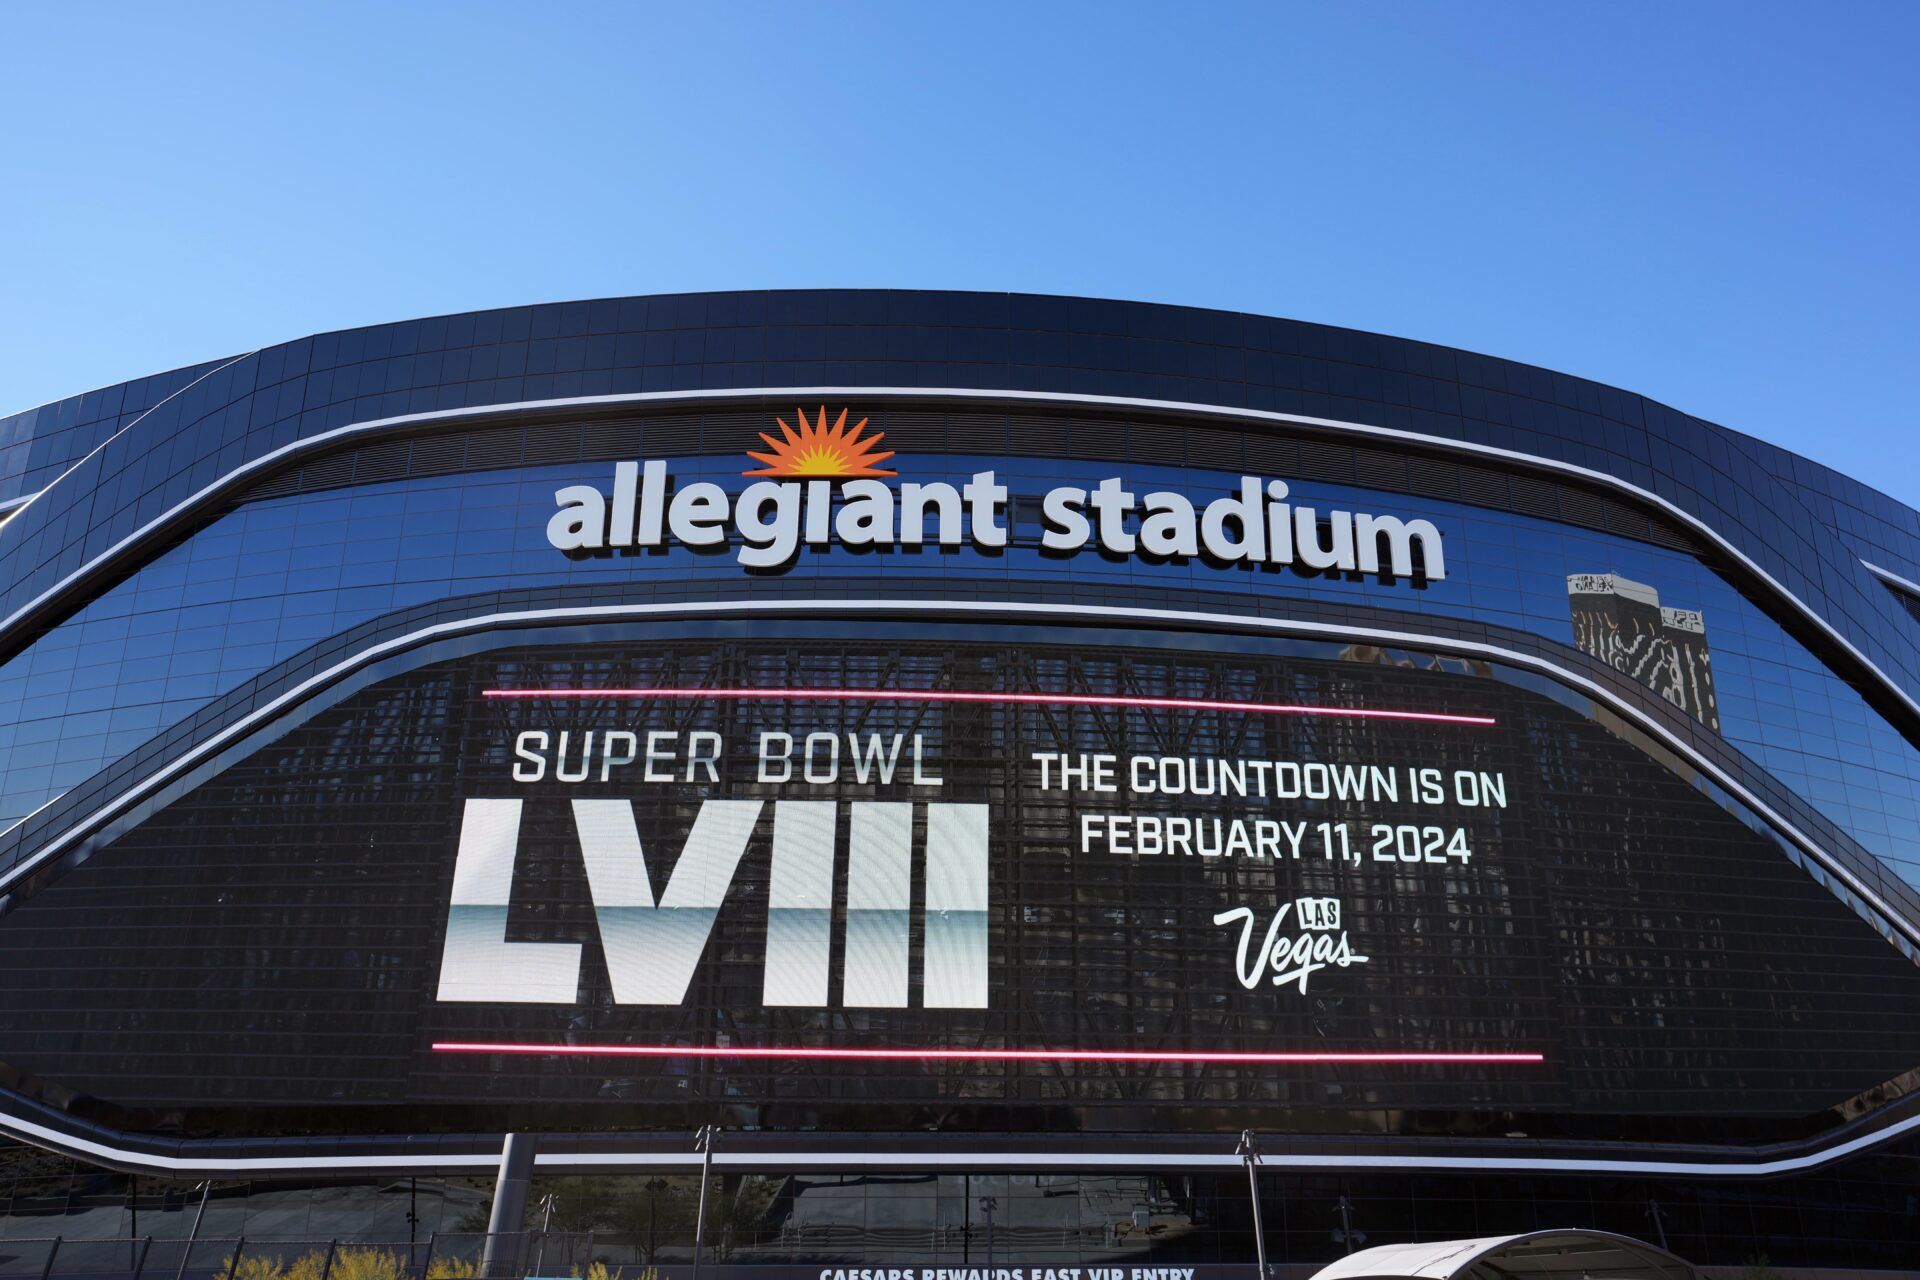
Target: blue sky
x=1714, y=204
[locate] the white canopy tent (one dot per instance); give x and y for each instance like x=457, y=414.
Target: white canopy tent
x=1548, y=1255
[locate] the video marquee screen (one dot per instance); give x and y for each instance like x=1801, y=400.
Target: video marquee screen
x=867, y=882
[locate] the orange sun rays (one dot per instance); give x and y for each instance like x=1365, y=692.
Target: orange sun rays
x=818, y=451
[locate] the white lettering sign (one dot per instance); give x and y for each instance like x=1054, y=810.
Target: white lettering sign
x=654, y=942
x=771, y=520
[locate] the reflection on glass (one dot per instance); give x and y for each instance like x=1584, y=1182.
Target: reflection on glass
x=1622, y=623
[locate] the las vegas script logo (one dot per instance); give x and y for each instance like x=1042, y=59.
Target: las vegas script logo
x=1319, y=943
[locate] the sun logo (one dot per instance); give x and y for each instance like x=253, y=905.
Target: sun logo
x=818, y=451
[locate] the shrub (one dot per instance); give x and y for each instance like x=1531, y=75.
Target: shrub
x=351, y=1263
x=263, y=1267
x=364, y=1262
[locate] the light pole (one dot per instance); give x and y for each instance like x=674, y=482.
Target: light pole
x=703, y=1143
x=546, y=1229
x=1249, y=1152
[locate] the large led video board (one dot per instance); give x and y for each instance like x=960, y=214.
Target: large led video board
x=874, y=879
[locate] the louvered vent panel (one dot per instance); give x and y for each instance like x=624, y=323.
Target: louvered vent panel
x=1583, y=508
x=328, y=473
x=389, y=461
x=1483, y=487
x=1332, y=463
x=1226, y=450
x=911, y=432
x=977, y=432
x=1624, y=520
x=557, y=443
x=671, y=436
x=277, y=486
x=1669, y=536
x=618, y=439
x=499, y=447
x=1276, y=456
x=1433, y=478
x=1535, y=497
x=1113, y=439
x=439, y=455
x=1035, y=436
x=1377, y=469
x=738, y=432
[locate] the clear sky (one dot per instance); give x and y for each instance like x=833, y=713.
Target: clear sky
x=1715, y=204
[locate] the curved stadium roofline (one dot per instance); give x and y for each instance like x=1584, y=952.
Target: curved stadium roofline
x=201, y=367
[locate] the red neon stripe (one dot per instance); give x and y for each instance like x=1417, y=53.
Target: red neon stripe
x=971, y=1055
x=960, y=695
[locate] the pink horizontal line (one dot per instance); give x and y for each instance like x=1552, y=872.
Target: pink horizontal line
x=961, y=695
x=971, y=1055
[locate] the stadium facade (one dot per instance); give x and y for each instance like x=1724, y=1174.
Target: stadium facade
x=982, y=754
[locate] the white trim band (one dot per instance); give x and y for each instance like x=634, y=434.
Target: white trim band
x=41, y=1135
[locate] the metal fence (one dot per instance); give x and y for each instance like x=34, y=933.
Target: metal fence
x=444, y=1256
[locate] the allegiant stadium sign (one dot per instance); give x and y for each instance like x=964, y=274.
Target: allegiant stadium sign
x=824, y=487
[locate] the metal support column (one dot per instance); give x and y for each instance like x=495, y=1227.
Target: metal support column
x=510, y=1188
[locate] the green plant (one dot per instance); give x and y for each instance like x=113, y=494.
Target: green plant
x=452, y=1269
